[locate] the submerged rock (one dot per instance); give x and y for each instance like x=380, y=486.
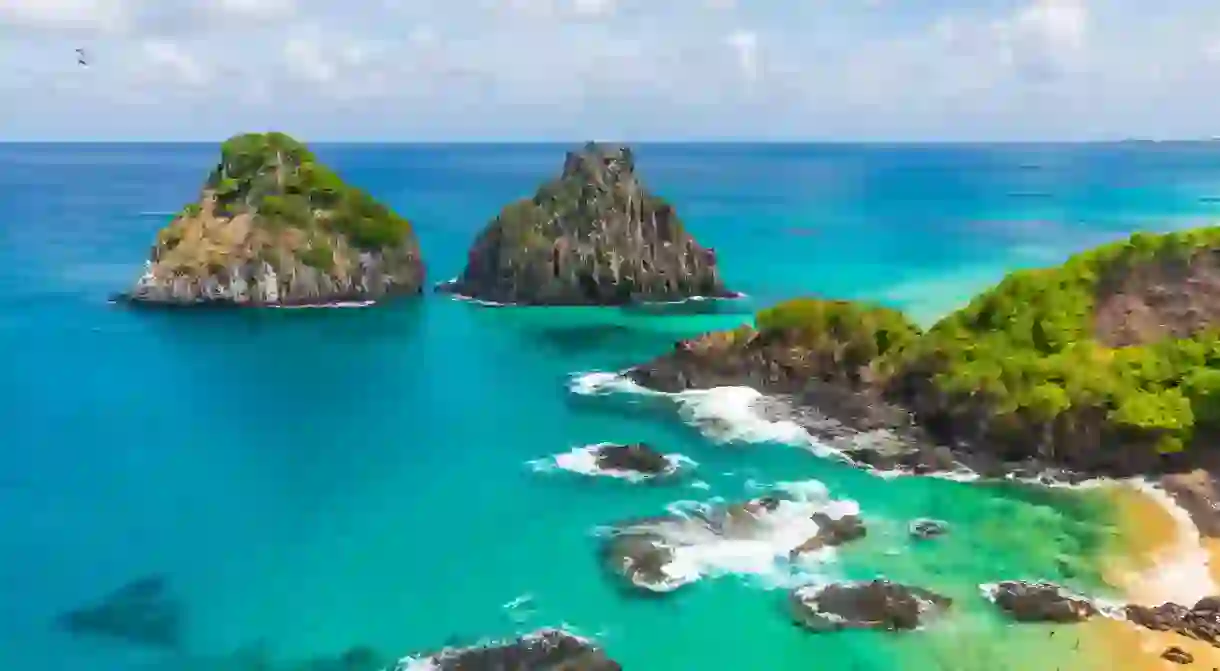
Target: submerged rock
x=593, y=236
x=637, y=458
x=546, y=650
x=832, y=532
x=141, y=612
x=879, y=604
x=1041, y=602
x=925, y=528
x=273, y=226
x=1196, y=492
x=640, y=558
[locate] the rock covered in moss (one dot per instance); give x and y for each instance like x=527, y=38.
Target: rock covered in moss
x=792, y=343
x=273, y=226
x=593, y=236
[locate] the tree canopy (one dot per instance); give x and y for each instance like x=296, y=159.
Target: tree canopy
x=1027, y=348
x=281, y=182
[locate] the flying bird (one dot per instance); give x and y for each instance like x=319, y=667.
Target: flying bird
x=80, y=58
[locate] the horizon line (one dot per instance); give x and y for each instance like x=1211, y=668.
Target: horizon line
x=645, y=141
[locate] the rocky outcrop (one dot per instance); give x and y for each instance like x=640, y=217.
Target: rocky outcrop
x=1176, y=297
x=879, y=604
x=143, y=612
x=641, y=553
x=1201, y=622
x=1177, y=655
x=273, y=226
x=546, y=650
x=1196, y=492
x=593, y=236
x=636, y=458
x=1104, y=365
x=832, y=532
x=645, y=554
x=1041, y=602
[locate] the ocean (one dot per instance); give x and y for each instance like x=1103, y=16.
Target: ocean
x=310, y=480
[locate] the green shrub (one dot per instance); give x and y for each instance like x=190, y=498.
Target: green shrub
x=1028, y=345
x=873, y=331
x=285, y=185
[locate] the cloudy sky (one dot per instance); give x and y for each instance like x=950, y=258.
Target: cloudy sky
x=629, y=69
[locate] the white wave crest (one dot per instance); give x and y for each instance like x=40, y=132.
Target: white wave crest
x=583, y=460
x=722, y=414
x=1181, y=573
x=327, y=306
x=707, y=541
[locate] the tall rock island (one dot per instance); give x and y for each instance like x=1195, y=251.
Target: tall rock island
x=273, y=226
x=593, y=236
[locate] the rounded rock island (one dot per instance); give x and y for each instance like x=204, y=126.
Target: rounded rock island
x=273, y=226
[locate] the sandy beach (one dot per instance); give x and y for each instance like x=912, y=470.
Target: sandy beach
x=1158, y=556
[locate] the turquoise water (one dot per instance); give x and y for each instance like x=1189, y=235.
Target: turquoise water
x=309, y=480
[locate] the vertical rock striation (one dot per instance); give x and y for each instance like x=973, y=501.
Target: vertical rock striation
x=593, y=236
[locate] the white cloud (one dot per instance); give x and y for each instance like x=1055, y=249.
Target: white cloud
x=261, y=10
x=83, y=17
x=513, y=68
x=594, y=8
x=1045, y=36
x=744, y=44
x=172, y=59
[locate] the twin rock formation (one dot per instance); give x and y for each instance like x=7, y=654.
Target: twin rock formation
x=273, y=226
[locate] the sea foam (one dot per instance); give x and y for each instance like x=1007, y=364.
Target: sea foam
x=1181, y=573
x=760, y=549
x=722, y=414
x=583, y=461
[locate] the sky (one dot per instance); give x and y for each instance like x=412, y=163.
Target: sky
x=529, y=70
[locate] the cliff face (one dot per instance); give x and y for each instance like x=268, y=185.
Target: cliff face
x=272, y=226
x=593, y=236
x=1175, y=298
x=1108, y=364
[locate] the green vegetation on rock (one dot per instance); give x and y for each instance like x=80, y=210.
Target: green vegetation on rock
x=279, y=180
x=1027, y=352
x=862, y=334
x=1029, y=347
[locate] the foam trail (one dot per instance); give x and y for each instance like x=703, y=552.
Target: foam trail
x=722, y=414
x=583, y=460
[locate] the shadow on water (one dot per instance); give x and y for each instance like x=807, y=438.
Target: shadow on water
x=143, y=612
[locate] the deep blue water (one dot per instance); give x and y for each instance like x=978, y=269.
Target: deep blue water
x=308, y=480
